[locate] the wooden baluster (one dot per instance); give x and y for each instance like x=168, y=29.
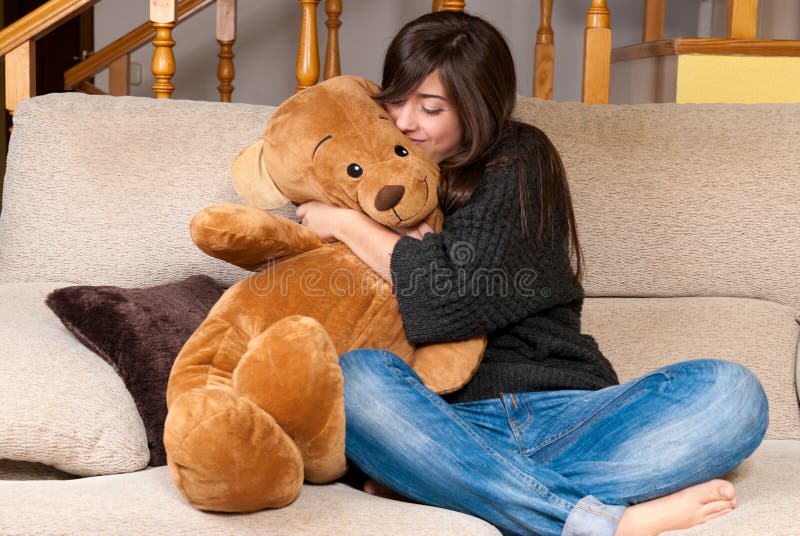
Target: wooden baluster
x=162, y=16
x=653, y=20
x=332, y=63
x=437, y=5
x=597, y=53
x=742, y=19
x=307, y=68
x=226, y=37
x=20, y=74
x=119, y=79
x=545, y=53
x=452, y=5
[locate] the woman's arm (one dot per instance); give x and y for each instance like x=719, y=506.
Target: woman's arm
x=370, y=241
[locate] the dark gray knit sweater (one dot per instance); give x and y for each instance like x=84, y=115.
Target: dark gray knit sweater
x=481, y=274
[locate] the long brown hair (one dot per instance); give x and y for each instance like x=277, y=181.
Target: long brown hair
x=477, y=72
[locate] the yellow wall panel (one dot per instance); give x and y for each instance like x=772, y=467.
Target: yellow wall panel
x=745, y=79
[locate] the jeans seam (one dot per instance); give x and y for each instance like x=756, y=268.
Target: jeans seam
x=597, y=512
x=514, y=427
x=540, y=488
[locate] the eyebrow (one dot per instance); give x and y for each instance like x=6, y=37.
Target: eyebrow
x=323, y=140
x=431, y=96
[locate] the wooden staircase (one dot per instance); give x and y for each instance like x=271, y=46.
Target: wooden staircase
x=652, y=71
x=737, y=68
x=18, y=45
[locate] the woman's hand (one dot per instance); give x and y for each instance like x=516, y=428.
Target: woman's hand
x=417, y=231
x=322, y=218
x=368, y=239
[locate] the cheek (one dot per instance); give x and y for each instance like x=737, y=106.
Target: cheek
x=450, y=134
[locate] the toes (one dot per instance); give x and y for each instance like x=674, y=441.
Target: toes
x=726, y=491
x=720, y=490
x=714, y=509
x=715, y=515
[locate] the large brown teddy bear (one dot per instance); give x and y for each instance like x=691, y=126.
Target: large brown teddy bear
x=255, y=396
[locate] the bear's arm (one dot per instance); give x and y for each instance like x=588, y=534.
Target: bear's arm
x=249, y=237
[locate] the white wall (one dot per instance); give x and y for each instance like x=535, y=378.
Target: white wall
x=268, y=32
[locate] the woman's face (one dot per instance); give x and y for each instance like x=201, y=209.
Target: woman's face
x=429, y=119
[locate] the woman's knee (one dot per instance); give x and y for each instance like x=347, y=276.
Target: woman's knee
x=749, y=394
x=369, y=372
x=730, y=387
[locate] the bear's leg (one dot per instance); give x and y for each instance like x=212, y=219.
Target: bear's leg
x=227, y=455
x=292, y=372
x=224, y=452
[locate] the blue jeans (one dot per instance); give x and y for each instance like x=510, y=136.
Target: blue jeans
x=557, y=462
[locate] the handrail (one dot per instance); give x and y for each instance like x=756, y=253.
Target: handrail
x=40, y=21
x=124, y=45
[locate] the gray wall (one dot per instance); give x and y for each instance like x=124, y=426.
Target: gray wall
x=268, y=31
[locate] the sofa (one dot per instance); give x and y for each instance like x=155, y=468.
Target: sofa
x=688, y=215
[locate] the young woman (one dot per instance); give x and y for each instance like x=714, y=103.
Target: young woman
x=542, y=440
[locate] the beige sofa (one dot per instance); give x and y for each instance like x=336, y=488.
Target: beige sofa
x=689, y=217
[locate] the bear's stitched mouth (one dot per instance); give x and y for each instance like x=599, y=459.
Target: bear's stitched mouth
x=427, y=193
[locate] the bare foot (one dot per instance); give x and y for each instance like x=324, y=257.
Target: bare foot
x=680, y=510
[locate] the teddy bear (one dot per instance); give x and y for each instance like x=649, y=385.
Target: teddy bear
x=255, y=397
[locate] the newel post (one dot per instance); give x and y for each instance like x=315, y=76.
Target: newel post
x=597, y=53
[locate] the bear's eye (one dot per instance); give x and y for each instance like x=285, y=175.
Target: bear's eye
x=354, y=170
x=399, y=150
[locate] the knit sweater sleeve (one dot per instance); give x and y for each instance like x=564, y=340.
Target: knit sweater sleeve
x=481, y=273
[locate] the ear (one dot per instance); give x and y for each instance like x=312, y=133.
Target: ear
x=252, y=181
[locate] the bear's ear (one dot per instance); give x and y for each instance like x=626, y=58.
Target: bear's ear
x=371, y=87
x=252, y=180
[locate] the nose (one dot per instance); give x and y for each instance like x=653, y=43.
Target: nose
x=388, y=197
x=403, y=116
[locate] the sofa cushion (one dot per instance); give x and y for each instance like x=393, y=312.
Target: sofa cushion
x=100, y=190
x=61, y=404
x=766, y=489
x=139, y=332
x=642, y=334
x=680, y=199
x=147, y=502
x=17, y=470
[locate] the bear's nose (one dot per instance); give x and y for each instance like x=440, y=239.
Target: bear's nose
x=388, y=197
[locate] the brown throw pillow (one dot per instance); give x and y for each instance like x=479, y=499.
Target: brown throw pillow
x=139, y=332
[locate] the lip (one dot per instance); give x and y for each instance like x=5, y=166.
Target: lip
x=416, y=141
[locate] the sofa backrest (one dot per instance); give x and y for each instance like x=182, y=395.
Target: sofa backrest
x=100, y=190
x=697, y=209
x=682, y=200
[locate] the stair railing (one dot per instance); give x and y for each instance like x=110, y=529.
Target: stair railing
x=18, y=45
x=116, y=55
x=17, y=42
